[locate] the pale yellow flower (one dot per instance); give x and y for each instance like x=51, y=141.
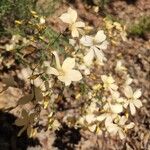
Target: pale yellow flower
x=15, y=38
x=109, y=83
x=115, y=95
x=90, y=118
x=128, y=81
x=96, y=45
x=65, y=73
x=119, y=127
x=120, y=67
x=114, y=103
x=132, y=99
x=110, y=112
x=42, y=20
x=10, y=47
x=70, y=18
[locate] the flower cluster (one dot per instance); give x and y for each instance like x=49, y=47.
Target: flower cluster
x=110, y=107
x=107, y=105
x=110, y=104
x=14, y=42
x=116, y=31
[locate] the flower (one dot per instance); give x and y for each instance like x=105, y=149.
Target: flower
x=109, y=112
x=10, y=47
x=120, y=67
x=65, y=73
x=115, y=95
x=132, y=99
x=116, y=101
x=96, y=44
x=119, y=127
x=109, y=83
x=128, y=81
x=14, y=40
x=70, y=18
x=42, y=20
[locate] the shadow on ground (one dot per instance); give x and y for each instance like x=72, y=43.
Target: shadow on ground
x=8, y=134
x=67, y=138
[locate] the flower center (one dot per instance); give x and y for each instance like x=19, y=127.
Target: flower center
x=94, y=42
x=72, y=26
x=61, y=72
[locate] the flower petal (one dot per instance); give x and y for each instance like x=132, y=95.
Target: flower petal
x=66, y=18
x=100, y=36
x=128, y=80
x=132, y=109
x=116, y=108
x=68, y=63
x=51, y=70
x=137, y=94
x=108, y=120
x=72, y=75
x=80, y=24
x=75, y=75
x=103, y=45
x=73, y=14
x=88, y=59
x=114, y=87
x=100, y=56
x=65, y=79
x=112, y=128
x=90, y=118
x=121, y=134
x=115, y=95
x=122, y=120
x=101, y=117
x=137, y=103
x=128, y=92
x=130, y=125
x=74, y=32
x=86, y=40
x=104, y=78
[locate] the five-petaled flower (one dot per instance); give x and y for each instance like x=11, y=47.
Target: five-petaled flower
x=70, y=18
x=65, y=73
x=132, y=99
x=109, y=83
x=119, y=127
x=96, y=45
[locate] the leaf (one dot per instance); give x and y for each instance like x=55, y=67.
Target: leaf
x=9, y=81
x=25, y=99
x=38, y=94
x=24, y=114
x=20, y=122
